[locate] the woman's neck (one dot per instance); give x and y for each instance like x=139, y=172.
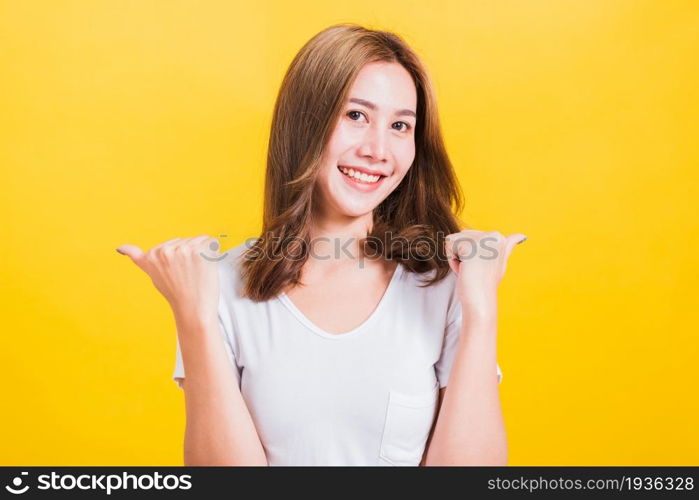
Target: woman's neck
x=337, y=239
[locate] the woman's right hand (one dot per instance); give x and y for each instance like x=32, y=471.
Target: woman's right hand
x=182, y=273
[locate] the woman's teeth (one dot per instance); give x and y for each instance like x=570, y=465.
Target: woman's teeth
x=369, y=179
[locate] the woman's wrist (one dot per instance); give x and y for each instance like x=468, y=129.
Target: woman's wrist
x=485, y=314
x=195, y=321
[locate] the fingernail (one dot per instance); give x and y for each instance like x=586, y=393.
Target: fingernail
x=122, y=253
x=522, y=240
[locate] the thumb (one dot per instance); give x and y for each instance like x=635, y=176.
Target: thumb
x=513, y=240
x=131, y=251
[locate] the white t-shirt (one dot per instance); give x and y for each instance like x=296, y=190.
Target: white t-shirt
x=365, y=397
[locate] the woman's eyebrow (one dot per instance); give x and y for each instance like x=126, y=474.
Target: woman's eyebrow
x=371, y=105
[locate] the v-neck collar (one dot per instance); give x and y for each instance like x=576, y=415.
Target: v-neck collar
x=284, y=299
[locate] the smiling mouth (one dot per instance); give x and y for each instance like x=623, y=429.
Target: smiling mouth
x=360, y=177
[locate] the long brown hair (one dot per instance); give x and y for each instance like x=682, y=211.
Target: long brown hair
x=419, y=213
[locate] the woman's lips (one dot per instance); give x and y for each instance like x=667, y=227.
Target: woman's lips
x=359, y=185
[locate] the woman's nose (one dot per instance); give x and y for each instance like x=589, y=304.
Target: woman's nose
x=374, y=143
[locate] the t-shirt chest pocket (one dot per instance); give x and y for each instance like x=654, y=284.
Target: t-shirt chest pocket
x=407, y=426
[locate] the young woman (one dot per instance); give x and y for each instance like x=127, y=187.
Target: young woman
x=331, y=338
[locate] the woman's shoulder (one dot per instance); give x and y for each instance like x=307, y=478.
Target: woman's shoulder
x=234, y=254
x=417, y=284
x=416, y=278
x=230, y=268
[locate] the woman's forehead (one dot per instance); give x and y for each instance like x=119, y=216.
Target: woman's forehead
x=388, y=86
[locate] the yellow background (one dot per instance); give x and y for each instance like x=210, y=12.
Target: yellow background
x=573, y=122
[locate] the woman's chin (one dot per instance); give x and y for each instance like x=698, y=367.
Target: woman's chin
x=352, y=203
x=348, y=209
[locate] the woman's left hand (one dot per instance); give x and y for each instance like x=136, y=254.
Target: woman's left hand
x=479, y=260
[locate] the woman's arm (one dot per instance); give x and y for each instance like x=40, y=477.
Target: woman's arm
x=423, y=462
x=470, y=428
x=219, y=428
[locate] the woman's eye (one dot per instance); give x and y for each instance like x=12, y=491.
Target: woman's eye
x=354, y=113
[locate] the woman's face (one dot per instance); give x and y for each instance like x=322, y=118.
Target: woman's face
x=375, y=137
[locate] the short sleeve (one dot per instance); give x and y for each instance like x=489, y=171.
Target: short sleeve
x=452, y=332
x=179, y=373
